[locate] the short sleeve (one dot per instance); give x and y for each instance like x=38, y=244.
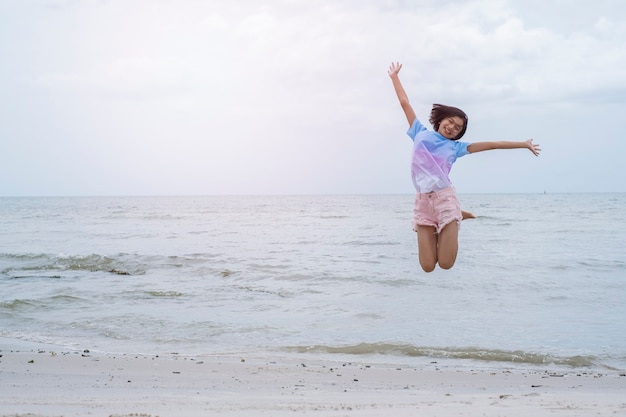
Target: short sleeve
x=461, y=149
x=415, y=128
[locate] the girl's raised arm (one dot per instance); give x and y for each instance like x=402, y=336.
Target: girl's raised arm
x=394, y=69
x=487, y=146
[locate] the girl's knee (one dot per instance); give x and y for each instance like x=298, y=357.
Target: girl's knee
x=447, y=260
x=446, y=264
x=428, y=266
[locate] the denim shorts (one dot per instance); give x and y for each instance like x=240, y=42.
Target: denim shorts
x=437, y=209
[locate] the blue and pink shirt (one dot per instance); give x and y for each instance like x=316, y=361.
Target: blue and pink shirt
x=433, y=156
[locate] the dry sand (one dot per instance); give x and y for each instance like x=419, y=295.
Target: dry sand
x=45, y=382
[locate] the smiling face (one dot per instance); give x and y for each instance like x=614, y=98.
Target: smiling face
x=450, y=127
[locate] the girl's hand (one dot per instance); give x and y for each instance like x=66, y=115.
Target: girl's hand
x=394, y=69
x=534, y=148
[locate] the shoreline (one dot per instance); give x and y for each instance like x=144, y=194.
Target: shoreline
x=43, y=380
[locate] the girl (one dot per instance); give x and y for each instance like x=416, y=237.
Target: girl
x=437, y=214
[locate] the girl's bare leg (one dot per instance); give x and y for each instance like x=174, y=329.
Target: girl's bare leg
x=448, y=245
x=427, y=247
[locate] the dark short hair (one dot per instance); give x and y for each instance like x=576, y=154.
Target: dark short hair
x=440, y=112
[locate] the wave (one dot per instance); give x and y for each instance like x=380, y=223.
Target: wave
x=164, y=294
x=15, y=266
x=16, y=305
x=468, y=353
x=20, y=305
x=29, y=265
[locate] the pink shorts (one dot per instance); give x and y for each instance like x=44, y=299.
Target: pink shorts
x=437, y=209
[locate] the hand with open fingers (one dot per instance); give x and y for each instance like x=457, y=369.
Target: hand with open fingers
x=394, y=69
x=534, y=147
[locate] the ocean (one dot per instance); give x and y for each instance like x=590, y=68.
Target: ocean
x=540, y=279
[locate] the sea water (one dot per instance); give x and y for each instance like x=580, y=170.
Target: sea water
x=540, y=278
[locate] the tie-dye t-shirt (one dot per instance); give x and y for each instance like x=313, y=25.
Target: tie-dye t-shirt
x=433, y=156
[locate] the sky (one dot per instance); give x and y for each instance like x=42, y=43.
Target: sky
x=214, y=97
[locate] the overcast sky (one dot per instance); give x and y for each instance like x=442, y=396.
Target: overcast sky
x=153, y=97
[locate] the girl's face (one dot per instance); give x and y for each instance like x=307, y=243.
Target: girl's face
x=450, y=127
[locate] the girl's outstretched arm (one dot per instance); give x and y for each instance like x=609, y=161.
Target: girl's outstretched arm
x=394, y=69
x=487, y=146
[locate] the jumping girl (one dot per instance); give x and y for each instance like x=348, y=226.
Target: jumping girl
x=437, y=213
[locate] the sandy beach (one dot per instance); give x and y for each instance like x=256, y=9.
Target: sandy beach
x=48, y=382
